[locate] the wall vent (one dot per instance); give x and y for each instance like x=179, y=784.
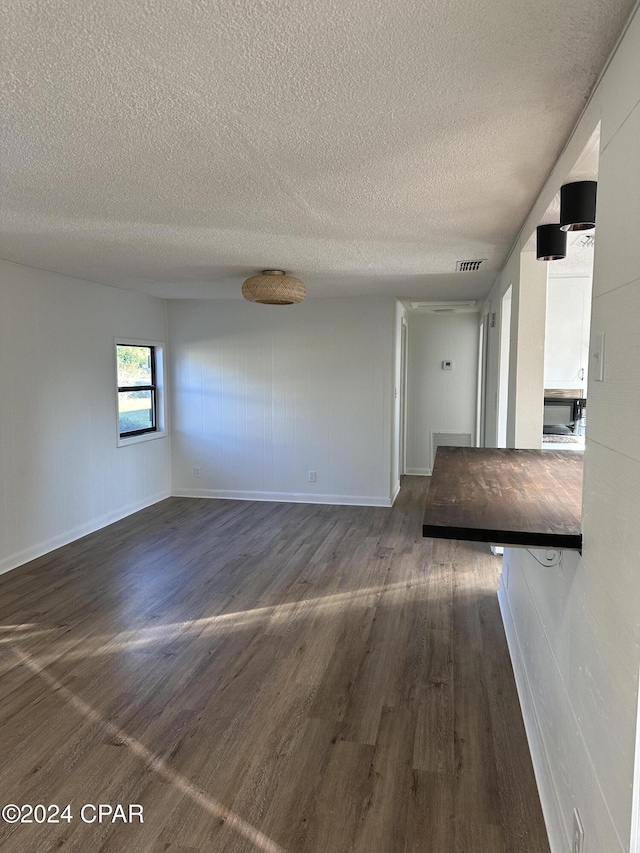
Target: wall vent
x=445, y=307
x=448, y=439
x=470, y=266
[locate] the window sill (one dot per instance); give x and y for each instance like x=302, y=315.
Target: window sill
x=136, y=439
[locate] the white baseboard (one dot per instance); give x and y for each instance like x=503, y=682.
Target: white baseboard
x=549, y=800
x=419, y=472
x=48, y=545
x=396, y=492
x=13, y=561
x=283, y=497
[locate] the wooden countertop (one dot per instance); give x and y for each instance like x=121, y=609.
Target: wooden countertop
x=506, y=497
x=563, y=394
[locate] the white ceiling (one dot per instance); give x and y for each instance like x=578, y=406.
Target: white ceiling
x=579, y=260
x=363, y=145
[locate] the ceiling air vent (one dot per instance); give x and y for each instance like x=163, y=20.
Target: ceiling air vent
x=469, y=266
x=445, y=307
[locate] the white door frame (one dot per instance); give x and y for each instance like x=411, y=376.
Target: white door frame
x=503, y=366
x=402, y=443
x=483, y=367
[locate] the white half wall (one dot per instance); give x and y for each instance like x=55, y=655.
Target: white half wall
x=439, y=400
x=574, y=630
x=265, y=394
x=61, y=473
x=525, y=412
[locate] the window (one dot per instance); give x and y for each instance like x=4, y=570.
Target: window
x=139, y=378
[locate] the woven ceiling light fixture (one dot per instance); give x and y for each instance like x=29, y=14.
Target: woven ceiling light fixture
x=274, y=287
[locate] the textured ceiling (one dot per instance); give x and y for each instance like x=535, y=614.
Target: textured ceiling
x=363, y=145
x=579, y=260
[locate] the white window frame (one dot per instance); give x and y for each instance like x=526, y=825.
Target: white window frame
x=161, y=396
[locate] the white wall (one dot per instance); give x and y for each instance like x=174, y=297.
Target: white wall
x=566, y=340
x=264, y=394
x=398, y=423
x=574, y=630
x=525, y=413
x=509, y=277
x=439, y=400
x=61, y=474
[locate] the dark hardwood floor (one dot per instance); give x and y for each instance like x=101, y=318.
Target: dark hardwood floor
x=265, y=677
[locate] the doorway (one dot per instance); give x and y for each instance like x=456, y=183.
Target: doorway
x=566, y=346
x=483, y=367
x=503, y=374
x=402, y=443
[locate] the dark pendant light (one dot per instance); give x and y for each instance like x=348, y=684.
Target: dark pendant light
x=551, y=243
x=578, y=206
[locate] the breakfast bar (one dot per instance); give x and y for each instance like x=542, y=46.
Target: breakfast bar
x=531, y=498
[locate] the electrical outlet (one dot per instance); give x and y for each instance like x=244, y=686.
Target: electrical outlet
x=197, y=471
x=313, y=476
x=578, y=833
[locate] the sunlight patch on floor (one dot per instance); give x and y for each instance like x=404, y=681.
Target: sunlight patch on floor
x=153, y=762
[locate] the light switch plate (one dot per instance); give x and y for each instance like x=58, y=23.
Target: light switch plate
x=596, y=357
